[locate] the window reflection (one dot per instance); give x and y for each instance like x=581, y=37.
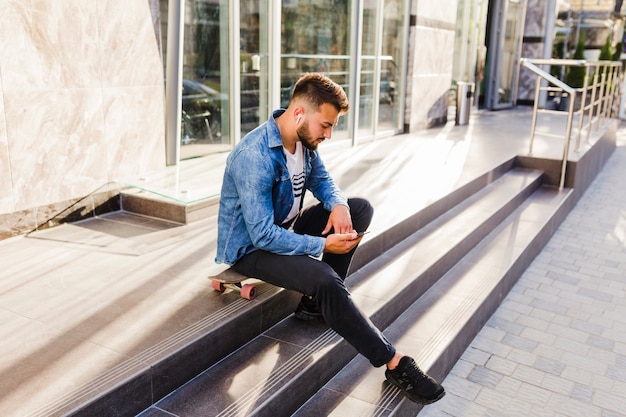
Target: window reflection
x=508, y=63
x=201, y=113
x=253, y=64
x=315, y=38
x=205, y=89
x=389, y=111
x=368, y=62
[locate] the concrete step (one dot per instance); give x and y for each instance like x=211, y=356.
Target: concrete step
x=278, y=371
x=146, y=377
x=439, y=326
x=381, y=241
x=141, y=202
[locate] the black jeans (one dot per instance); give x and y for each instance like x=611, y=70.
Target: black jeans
x=323, y=280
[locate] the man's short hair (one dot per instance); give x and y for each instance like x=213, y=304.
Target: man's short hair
x=317, y=89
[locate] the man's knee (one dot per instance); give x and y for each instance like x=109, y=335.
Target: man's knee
x=361, y=212
x=324, y=279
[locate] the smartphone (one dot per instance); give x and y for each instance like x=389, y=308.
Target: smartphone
x=362, y=233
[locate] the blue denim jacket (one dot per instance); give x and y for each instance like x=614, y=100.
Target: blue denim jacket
x=257, y=195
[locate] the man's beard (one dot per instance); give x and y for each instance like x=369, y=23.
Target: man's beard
x=306, y=139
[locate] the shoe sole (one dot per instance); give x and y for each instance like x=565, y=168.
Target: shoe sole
x=426, y=402
x=415, y=399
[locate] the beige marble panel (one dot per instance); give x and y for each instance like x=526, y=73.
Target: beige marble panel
x=535, y=18
x=428, y=100
x=527, y=79
x=130, y=54
x=134, y=130
x=55, y=144
x=62, y=57
x=440, y=10
x=430, y=77
x=53, y=44
x=17, y=222
x=434, y=51
x=155, y=11
x=6, y=188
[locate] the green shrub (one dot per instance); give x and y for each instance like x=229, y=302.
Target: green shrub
x=576, y=75
x=617, y=54
x=605, y=51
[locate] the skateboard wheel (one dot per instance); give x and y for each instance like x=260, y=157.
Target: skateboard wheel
x=248, y=292
x=217, y=286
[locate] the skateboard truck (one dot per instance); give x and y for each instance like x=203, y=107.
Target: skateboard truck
x=232, y=279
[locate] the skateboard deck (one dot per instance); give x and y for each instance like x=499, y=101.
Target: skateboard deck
x=232, y=279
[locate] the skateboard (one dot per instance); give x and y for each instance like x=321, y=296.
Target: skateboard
x=232, y=279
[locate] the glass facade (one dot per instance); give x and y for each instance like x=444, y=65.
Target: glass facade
x=470, y=45
x=253, y=62
x=511, y=44
x=391, y=60
x=206, y=90
x=236, y=67
x=487, y=49
x=505, y=23
x=315, y=37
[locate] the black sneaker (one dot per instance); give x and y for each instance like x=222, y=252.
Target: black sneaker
x=307, y=310
x=415, y=384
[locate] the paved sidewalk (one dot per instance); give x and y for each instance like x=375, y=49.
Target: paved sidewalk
x=557, y=345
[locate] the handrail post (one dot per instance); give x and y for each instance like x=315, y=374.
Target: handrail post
x=533, y=123
x=592, y=102
x=613, y=84
x=615, y=89
x=568, y=133
x=611, y=91
x=602, y=94
x=582, y=108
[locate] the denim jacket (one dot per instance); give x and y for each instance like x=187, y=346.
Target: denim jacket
x=257, y=195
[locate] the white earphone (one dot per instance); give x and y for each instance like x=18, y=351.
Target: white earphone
x=298, y=118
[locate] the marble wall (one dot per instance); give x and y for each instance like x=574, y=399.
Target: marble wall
x=81, y=101
x=536, y=30
x=430, y=58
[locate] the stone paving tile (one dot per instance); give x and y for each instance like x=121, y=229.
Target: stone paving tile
x=557, y=345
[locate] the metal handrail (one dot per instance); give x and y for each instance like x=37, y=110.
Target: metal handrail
x=600, y=85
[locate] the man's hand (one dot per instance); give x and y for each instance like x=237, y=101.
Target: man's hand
x=341, y=243
x=344, y=237
x=339, y=220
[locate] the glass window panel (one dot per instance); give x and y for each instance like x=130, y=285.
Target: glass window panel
x=368, y=68
x=366, y=97
x=315, y=38
x=253, y=64
x=205, y=115
x=509, y=54
x=389, y=110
